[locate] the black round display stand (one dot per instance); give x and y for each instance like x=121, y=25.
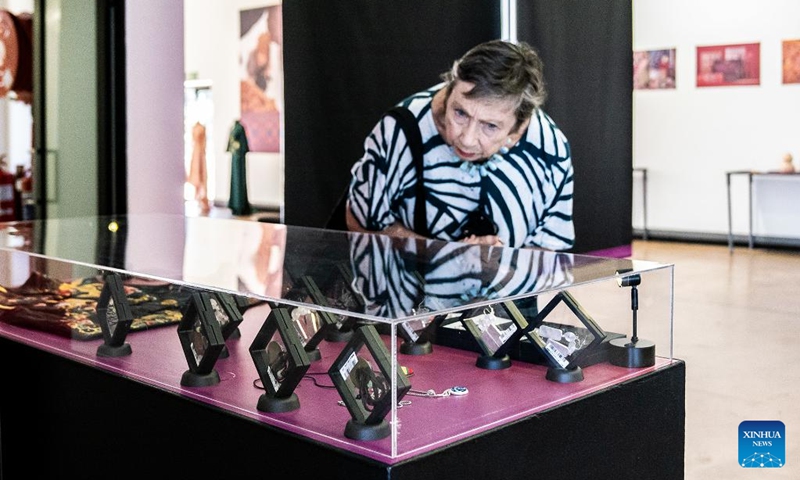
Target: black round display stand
x=224, y=353
x=314, y=355
x=191, y=379
x=362, y=431
x=278, y=405
x=488, y=362
x=106, y=350
x=639, y=354
x=416, y=348
x=235, y=334
x=564, y=375
x=336, y=335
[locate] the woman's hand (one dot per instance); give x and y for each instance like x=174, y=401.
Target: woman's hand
x=394, y=230
x=491, y=240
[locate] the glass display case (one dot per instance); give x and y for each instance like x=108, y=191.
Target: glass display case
x=387, y=348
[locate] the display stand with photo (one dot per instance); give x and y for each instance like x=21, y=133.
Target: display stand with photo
x=343, y=327
x=312, y=327
x=228, y=316
x=416, y=335
x=281, y=362
x=564, y=344
x=495, y=331
x=361, y=374
x=202, y=341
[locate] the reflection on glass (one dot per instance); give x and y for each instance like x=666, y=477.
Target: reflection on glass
x=390, y=276
x=398, y=276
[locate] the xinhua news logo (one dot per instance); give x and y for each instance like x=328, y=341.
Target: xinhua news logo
x=762, y=444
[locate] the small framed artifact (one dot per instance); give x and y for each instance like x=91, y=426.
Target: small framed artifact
x=495, y=331
x=280, y=361
x=361, y=374
x=416, y=335
x=342, y=326
x=312, y=327
x=202, y=341
x=564, y=344
x=228, y=316
x=114, y=316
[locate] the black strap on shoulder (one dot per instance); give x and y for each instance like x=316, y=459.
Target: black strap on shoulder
x=410, y=127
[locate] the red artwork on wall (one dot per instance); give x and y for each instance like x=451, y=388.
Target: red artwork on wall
x=791, y=61
x=261, y=62
x=653, y=69
x=722, y=65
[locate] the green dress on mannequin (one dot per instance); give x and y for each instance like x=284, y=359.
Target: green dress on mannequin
x=237, y=145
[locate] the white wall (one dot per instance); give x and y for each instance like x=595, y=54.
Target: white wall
x=212, y=46
x=689, y=137
x=154, y=70
x=156, y=175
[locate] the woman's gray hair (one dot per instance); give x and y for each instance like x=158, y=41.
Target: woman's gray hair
x=503, y=70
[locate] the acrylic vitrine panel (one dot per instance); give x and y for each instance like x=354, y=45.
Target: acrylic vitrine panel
x=364, y=276
x=414, y=296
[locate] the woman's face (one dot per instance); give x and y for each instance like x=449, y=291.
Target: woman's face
x=478, y=128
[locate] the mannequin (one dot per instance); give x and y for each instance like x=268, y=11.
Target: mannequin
x=238, y=146
x=198, y=175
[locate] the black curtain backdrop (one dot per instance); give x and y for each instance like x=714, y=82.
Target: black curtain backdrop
x=345, y=63
x=588, y=64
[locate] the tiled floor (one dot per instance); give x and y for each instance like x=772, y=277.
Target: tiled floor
x=737, y=326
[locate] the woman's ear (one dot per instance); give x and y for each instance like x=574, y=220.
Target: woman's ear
x=514, y=137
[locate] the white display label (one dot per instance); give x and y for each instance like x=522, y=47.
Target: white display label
x=348, y=366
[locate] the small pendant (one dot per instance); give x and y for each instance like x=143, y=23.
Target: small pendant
x=458, y=391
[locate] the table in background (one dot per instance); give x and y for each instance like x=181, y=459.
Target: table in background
x=750, y=174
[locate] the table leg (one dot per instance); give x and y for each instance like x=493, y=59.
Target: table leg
x=644, y=200
x=750, y=214
x=730, y=218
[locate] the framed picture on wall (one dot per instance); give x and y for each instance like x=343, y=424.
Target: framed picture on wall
x=653, y=69
x=791, y=61
x=261, y=77
x=722, y=65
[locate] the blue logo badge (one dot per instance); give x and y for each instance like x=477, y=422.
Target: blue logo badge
x=762, y=444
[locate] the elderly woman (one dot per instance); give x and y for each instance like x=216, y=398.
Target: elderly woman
x=496, y=169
